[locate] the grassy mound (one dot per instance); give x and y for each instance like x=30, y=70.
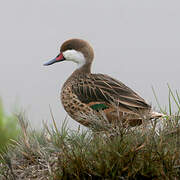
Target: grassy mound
x=147, y=152
x=139, y=153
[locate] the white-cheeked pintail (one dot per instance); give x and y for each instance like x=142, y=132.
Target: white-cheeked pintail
x=86, y=96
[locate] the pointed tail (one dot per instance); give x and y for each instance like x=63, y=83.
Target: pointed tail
x=155, y=115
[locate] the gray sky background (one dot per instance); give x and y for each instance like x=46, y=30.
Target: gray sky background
x=137, y=42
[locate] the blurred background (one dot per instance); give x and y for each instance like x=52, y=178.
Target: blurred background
x=136, y=42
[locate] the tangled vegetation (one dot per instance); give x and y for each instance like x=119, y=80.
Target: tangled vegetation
x=145, y=152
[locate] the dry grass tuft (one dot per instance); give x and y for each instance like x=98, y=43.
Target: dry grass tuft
x=145, y=152
x=133, y=153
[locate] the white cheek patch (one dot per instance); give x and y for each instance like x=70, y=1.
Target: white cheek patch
x=75, y=56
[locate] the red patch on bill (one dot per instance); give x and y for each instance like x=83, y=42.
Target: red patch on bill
x=60, y=57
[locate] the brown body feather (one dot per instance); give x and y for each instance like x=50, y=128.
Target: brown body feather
x=102, y=88
x=123, y=104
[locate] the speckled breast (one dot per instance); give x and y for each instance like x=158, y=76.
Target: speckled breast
x=74, y=107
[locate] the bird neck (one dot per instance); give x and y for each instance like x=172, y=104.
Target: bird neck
x=85, y=69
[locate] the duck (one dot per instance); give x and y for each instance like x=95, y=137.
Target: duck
x=93, y=99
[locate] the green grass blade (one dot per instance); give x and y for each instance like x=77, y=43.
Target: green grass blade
x=176, y=102
x=54, y=122
x=178, y=97
x=157, y=101
x=169, y=103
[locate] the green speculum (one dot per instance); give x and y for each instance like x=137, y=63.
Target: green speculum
x=98, y=107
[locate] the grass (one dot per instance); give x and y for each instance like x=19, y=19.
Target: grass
x=150, y=152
